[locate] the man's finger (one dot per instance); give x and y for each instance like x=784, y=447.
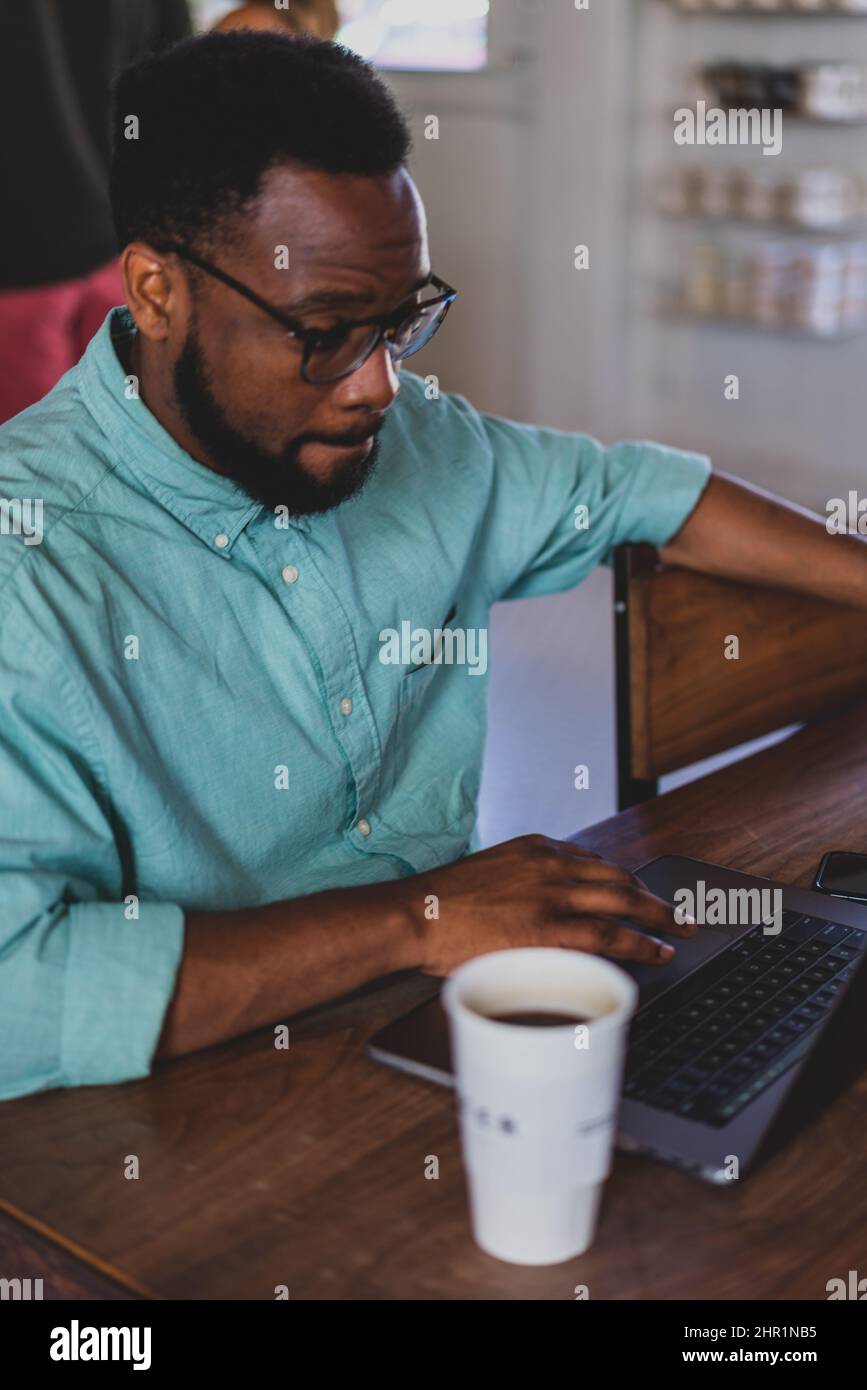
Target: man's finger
x=604, y=898
x=602, y=936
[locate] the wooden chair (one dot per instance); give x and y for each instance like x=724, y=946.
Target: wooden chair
x=679, y=699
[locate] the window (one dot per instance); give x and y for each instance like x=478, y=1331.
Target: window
x=448, y=35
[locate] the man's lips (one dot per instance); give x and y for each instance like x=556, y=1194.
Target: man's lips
x=344, y=444
x=347, y=449
x=349, y=439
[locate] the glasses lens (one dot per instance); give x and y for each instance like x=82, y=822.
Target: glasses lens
x=418, y=330
x=340, y=354
x=345, y=351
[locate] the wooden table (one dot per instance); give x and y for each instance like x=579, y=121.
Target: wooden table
x=306, y=1167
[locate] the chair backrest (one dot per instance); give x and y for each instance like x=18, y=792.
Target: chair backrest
x=704, y=665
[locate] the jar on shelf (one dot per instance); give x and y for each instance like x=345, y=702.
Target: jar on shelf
x=714, y=193
x=736, y=291
x=853, y=312
x=754, y=196
x=703, y=284
x=782, y=89
x=822, y=198
x=819, y=279
x=771, y=285
x=733, y=84
x=680, y=192
x=832, y=91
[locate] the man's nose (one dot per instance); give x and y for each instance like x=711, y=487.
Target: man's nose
x=374, y=384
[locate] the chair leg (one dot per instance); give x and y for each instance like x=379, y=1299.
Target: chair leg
x=632, y=791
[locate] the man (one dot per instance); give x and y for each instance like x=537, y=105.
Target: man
x=220, y=804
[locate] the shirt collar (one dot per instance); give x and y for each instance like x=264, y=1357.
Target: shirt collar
x=212, y=506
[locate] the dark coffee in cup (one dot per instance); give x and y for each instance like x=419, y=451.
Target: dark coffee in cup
x=539, y=1018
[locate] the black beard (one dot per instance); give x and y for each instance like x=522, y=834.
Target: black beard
x=273, y=479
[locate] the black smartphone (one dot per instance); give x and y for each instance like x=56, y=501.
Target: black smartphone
x=843, y=875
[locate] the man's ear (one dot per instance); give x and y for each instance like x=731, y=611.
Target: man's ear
x=156, y=289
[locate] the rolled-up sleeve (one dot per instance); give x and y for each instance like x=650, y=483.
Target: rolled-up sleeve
x=86, y=970
x=561, y=502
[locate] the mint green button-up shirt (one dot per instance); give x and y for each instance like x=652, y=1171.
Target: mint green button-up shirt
x=194, y=708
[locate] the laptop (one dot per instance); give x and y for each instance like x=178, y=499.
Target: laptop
x=736, y=1043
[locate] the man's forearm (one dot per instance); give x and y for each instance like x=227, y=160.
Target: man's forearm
x=243, y=969
x=740, y=532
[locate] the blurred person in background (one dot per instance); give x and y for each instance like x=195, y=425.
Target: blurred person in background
x=58, y=265
x=317, y=17
x=58, y=270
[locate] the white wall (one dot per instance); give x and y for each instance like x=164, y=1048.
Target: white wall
x=530, y=163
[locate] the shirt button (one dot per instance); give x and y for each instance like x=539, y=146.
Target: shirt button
x=221, y=541
x=363, y=827
x=346, y=705
x=290, y=574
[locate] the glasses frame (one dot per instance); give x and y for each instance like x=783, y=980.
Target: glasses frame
x=311, y=338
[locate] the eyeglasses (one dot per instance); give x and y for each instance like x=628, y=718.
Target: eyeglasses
x=332, y=353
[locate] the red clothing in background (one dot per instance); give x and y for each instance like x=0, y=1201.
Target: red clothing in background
x=44, y=329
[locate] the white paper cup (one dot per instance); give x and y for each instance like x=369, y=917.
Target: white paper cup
x=537, y=1106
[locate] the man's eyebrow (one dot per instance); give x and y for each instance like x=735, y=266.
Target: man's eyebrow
x=341, y=299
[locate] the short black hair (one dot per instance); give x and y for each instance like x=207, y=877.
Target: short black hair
x=216, y=111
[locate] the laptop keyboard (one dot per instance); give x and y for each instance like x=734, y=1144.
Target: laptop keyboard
x=710, y=1045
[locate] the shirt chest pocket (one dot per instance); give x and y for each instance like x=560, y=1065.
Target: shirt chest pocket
x=417, y=681
x=414, y=686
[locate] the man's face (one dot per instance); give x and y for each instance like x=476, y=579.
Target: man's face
x=357, y=247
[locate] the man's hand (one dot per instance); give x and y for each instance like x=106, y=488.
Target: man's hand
x=244, y=968
x=534, y=891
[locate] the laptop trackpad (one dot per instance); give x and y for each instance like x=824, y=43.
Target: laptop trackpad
x=653, y=979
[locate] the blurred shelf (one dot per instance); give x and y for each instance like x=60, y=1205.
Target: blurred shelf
x=694, y=319
x=749, y=13
x=713, y=103
x=775, y=226
x=804, y=118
